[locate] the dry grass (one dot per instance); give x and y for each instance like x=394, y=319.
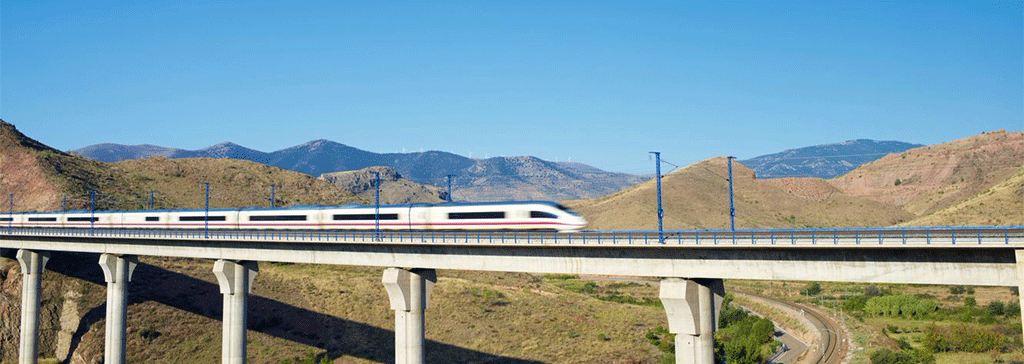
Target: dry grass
x=233, y=183
x=343, y=311
x=936, y=176
x=698, y=197
x=1003, y=204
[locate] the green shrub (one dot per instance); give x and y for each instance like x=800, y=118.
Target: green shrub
x=903, y=344
x=662, y=339
x=906, y=356
x=812, y=289
x=561, y=277
x=855, y=303
x=957, y=290
x=970, y=301
x=873, y=291
x=1012, y=309
x=996, y=308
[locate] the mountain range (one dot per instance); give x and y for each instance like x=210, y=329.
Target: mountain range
x=502, y=178
x=491, y=179
x=824, y=161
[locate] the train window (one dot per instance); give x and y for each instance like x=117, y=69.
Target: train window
x=542, y=215
x=41, y=219
x=566, y=209
x=202, y=218
x=476, y=215
x=83, y=219
x=152, y=218
x=350, y=217
x=278, y=218
x=6, y=219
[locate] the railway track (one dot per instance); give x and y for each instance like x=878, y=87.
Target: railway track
x=831, y=335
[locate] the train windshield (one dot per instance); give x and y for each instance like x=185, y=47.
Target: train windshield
x=566, y=209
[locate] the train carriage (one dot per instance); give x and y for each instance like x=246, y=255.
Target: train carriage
x=527, y=215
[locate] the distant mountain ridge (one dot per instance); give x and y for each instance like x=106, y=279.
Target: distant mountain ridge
x=491, y=179
x=824, y=161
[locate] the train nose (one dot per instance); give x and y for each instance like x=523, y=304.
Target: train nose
x=579, y=222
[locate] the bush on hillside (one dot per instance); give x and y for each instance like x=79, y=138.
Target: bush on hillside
x=812, y=289
x=900, y=306
x=963, y=338
x=886, y=356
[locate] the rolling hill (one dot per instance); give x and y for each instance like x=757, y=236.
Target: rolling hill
x=971, y=181
x=697, y=197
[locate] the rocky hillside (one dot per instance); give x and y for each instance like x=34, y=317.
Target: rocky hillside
x=394, y=189
x=823, y=161
x=40, y=177
x=491, y=179
x=1002, y=204
x=928, y=179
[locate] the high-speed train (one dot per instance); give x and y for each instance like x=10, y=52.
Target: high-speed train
x=525, y=215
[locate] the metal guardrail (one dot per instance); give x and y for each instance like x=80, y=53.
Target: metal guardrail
x=1005, y=235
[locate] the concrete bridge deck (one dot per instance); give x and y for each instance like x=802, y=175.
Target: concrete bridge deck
x=691, y=264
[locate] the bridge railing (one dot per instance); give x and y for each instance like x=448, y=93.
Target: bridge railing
x=747, y=237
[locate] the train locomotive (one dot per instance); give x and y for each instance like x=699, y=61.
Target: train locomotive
x=521, y=215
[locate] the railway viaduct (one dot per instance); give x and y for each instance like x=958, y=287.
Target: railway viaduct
x=690, y=264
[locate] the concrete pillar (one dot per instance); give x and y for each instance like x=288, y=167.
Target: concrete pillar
x=409, y=292
x=1020, y=279
x=692, y=306
x=117, y=271
x=32, y=265
x=235, y=280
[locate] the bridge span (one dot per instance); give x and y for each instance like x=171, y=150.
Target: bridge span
x=691, y=264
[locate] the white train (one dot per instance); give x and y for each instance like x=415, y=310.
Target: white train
x=526, y=215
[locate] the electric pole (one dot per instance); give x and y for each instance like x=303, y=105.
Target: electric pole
x=732, y=206
x=661, y=212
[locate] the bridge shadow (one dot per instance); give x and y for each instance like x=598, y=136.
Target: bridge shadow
x=336, y=336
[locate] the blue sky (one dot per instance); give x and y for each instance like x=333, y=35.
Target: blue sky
x=601, y=83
